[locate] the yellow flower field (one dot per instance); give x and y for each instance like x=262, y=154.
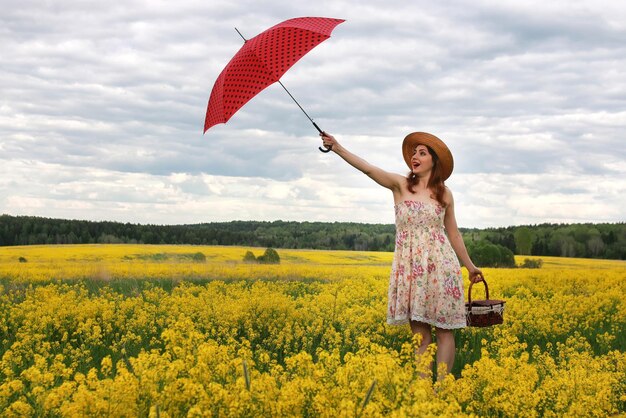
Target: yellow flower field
x=137, y=330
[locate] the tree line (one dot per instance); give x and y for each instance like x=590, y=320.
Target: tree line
x=568, y=240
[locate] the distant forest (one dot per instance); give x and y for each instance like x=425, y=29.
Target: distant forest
x=567, y=240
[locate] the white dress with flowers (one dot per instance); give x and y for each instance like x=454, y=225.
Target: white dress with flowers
x=426, y=284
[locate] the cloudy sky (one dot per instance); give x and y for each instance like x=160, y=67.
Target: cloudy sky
x=102, y=109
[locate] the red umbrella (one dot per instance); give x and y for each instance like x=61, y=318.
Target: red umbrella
x=261, y=61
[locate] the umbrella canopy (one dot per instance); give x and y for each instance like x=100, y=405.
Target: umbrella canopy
x=261, y=61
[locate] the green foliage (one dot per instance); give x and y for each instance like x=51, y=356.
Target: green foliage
x=249, y=257
x=507, y=258
x=562, y=240
x=576, y=240
x=487, y=254
x=532, y=264
x=270, y=256
x=155, y=257
x=523, y=240
x=199, y=257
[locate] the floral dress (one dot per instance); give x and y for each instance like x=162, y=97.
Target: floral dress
x=426, y=283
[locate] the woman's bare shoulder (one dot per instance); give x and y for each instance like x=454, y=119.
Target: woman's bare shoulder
x=399, y=180
x=400, y=177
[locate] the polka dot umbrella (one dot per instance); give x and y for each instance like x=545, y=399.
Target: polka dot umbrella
x=261, y=61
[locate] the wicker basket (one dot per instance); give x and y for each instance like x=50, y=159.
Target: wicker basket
x=483, y=313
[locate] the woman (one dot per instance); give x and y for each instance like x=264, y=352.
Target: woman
x=426, y=286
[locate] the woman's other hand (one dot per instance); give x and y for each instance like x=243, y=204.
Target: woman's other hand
x=475, y=275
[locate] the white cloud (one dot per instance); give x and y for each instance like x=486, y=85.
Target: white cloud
x=102, y=110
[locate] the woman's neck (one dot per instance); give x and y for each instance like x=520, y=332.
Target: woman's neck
x=422, y=182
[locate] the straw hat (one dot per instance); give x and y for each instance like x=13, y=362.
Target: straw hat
x=414, y=139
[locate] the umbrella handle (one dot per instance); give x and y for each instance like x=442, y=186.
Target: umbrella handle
x=328, y=148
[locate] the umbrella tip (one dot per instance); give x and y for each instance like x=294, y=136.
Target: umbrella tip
x=244, y=39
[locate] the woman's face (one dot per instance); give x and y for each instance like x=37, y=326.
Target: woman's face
x=422, y=161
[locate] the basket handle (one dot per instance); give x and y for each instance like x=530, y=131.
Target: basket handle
x=469, y=291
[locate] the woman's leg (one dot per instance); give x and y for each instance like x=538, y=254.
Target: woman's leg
x=445, y=349
x=425, y=331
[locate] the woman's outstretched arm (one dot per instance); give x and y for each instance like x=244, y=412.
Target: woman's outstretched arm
x=389, y=180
